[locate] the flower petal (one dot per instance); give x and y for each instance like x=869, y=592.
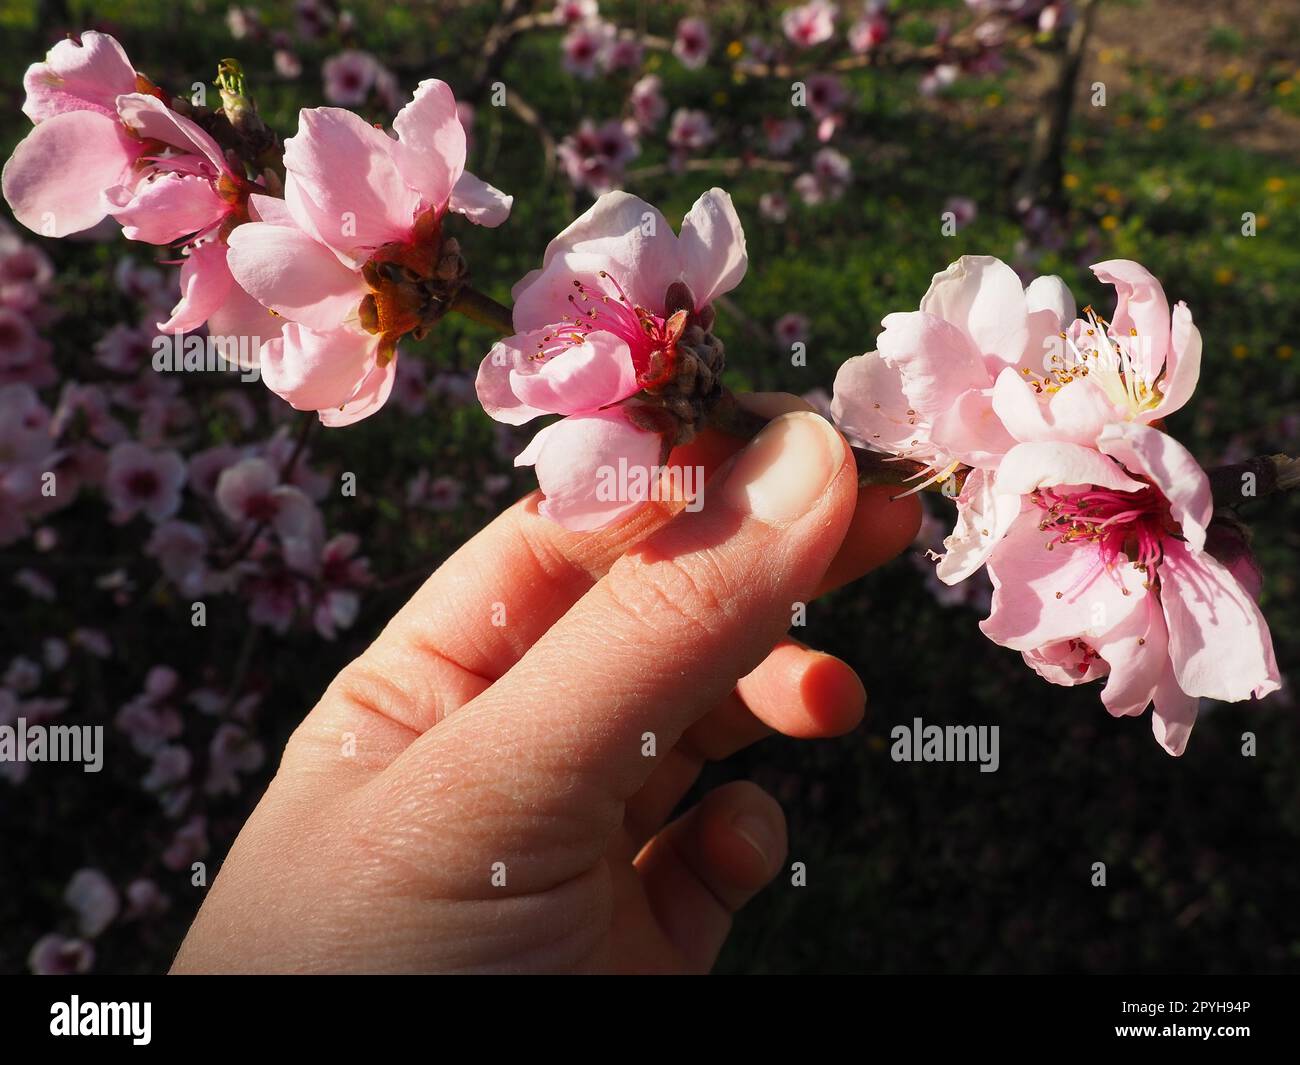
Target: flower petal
x=54, y=179
x=351, y=185
x=983, y=297
x=205, y=284
x=983, y=517
x=431, y=142
x=576, y=461
x=1043, y=465
x=316, y=371
x=579, y=380
x=1182, y=364
x=937, y=360
x=286, y=270
x=371, y=394
x=1074, y=414
x=712, y=247
x=1174, y=715
x=166, y=207
x=154, y=120
x=1140, y=305
x=970, y=429
x=481, y=203
x=1218, y=639
x=91, y=73
x=1137, y=652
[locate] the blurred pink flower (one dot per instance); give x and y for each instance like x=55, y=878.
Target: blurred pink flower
x=141, y=481
x=568, y=12
x=690, y=131
x=648, y=104
x=791, y=328
x=594, y=156
x=94, y=899
x=809, y=24
x=585, y=46
x=56, y=955
x=692, y=43
x=349, y=77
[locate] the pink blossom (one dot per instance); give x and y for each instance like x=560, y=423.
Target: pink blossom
x=648, y=104
x=231, y=754
x=782, y=134
x=250, y=494
x=93, y=898
x=584, y=46
x=568, y=12
x=790, y=329
x=809, y=24
x=689, y=130
x=963, y=209
x=180, y=548
x=144, y=899
x=869, y=32
x=829, y=179
x=141, y=481
x=287, y=64
x=1105, y=573
x=56, y=955
x=594, y=156
x=827, y=95
x=357, y=203
x=774, y=206
x=188, y=845
x=927, y=393
x=349, y=77
x=692, y=43
x=599, y=323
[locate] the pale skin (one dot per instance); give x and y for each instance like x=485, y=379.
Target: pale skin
x=471, y=796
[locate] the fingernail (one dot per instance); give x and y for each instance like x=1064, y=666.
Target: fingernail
x=785, y=469
x=757, y=831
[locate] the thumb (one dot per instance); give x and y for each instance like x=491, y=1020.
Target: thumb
x=665, y=635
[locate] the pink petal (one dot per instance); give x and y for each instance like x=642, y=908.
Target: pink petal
x=1137, y=652
x=1051, y=308
x=494, y=382
x=983, y=298
x=1182, y=365
x=1218, y=639
x=581, y=379
x=1041, y=595
x=271, y=210
x=983, y=517
x=166, y=208
x=570, y=456
x=205, y=284
x=869, y=405
x=1043, y=465
x=317, y=371
x=712, y=247
x=619, y=233
x=350, y=183
x=1169, y=466
x=76, y=76
x=154, y=120
x=1174, y=714
x=970, y=429
x=480, y=202
x=431, y=153
x=937, y=360
x=1075, y=414
x=371, y=394
x=1141, y=305
x=286, y=270
x=55, y=177
x=1059, y=662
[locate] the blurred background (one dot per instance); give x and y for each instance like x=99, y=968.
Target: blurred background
x=1051, y=135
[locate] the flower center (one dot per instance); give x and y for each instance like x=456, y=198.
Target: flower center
x=652, y=338
x=1132, y=524
x=1123, y=367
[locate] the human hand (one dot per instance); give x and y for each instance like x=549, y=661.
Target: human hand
x=474, y=791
